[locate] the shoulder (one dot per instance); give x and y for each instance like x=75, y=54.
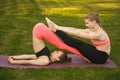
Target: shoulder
x=103, y=34
x=94, y=34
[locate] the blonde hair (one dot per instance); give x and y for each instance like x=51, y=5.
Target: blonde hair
x=93, y=16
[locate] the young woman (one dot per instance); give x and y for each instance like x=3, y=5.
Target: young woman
x=98, y=52
x=41, y=59
x=42, y=55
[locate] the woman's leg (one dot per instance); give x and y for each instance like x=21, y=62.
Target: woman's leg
x=41, y=32
x=38, y=44
x=72, y=41
x=89, y=51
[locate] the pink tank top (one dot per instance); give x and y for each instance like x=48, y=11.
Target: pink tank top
x=100, y=43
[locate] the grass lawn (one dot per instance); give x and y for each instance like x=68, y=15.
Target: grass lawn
x=17, y=18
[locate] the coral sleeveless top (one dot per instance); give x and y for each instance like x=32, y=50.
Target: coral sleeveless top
x=100, y=43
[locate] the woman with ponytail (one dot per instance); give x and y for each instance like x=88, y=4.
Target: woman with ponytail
x=97, y=53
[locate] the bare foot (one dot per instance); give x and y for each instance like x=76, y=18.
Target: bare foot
x=51, y=25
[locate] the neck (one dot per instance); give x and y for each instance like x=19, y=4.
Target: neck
x=96, y=28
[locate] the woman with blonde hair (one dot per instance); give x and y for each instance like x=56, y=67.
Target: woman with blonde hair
x=97, y=53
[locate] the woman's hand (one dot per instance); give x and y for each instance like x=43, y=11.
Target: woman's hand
x=10, y=59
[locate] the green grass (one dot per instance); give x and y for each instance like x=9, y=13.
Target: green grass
x=17, y=18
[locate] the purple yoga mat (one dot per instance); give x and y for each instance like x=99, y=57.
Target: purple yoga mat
x=76, y=62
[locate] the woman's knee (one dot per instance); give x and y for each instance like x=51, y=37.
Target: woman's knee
x=38, y=30
x=39, y=26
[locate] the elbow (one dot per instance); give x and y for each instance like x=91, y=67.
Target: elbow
x=43, y=63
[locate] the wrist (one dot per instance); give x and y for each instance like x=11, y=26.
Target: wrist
x=58, y=28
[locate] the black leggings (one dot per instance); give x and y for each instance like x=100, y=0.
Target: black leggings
x=88, y=51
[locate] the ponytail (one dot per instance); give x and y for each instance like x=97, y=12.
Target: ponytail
x=64, y=58
x=69, y=59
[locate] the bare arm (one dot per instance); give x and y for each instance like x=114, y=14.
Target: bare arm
x=25, y=56
x=41, y=61
x=83, y=33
